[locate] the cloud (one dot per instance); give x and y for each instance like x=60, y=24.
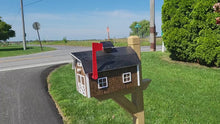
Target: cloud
x=117, y=13
x=85, y=25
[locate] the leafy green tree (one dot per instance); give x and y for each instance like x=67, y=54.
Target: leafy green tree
x=143, y=31
x=64, y=40
x=190, y=31
x=5, y=31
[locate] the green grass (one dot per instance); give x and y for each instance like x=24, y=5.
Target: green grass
x=117, y=42
x=15, y=50
x=179, y=93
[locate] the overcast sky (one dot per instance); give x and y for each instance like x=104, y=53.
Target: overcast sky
x=77, y=19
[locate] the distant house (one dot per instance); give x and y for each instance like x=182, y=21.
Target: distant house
x=117, y=68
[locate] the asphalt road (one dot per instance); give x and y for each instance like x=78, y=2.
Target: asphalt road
x=61, y=55
x=24, y=98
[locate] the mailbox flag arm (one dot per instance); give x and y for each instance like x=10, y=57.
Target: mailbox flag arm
x=95, y=47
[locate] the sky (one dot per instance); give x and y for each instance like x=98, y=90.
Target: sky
x=77, y=19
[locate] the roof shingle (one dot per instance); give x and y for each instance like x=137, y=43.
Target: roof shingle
x=120, y=57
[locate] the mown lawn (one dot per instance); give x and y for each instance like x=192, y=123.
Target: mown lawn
x=15, y=50
x=179, y=93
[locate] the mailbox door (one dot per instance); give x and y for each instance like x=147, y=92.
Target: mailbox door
x=81, y=84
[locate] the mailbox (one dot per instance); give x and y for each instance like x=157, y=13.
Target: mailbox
x=105, y=70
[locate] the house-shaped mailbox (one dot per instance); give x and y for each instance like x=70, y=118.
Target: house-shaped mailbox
x=117, y=68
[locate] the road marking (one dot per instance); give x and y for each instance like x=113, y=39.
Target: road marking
x=36, y=65
x=21, y=59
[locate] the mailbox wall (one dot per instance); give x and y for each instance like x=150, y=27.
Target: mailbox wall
x=81, y=80
x=115, y=81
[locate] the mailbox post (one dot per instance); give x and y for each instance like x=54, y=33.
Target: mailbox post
x=137, y=96
x=136, y=106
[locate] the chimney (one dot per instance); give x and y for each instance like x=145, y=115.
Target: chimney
x=95, y=47
x=107, y=46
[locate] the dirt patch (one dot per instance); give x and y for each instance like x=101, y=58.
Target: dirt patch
x=166, y=57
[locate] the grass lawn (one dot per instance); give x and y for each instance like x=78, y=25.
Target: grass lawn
x=179, y=93
x=117, y=42
x=15, y=50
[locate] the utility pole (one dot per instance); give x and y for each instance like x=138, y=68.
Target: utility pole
x=152, y=26
x=24, y=34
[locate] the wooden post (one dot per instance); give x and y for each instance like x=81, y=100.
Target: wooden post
x=137, y=96
x=152, y=26
x=136, y=106
x=134, y=43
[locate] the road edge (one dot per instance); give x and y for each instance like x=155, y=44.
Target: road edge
x=45, y=80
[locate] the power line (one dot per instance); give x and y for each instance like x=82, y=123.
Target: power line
x=19, y=9
x=16, y=16
x=33, y=3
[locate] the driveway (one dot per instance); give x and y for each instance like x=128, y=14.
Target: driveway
x=24, y=98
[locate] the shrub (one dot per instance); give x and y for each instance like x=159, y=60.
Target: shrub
x=64, y=40
x=208, y=50
x=190, y=31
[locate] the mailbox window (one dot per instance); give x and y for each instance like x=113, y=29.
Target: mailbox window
x=79, y=64
x=126, y=77
x=102, y=83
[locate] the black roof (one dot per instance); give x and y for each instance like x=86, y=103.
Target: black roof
x=120, y=57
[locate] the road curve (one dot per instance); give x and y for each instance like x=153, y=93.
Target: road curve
x=61, y=55
x=24, y=98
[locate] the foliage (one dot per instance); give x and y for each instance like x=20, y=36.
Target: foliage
x=143, y=31
x=64, y=40
x=190, y=31
x=5, y=31
x=178, y=94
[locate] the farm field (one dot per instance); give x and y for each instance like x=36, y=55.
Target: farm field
x=88, y=43
x=179, y=93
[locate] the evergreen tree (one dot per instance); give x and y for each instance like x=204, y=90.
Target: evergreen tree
x=190, y=31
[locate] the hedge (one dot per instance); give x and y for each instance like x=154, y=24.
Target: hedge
x=190, y=31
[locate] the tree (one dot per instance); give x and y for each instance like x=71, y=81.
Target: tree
x=190, y=31
x=5, y=31
x=143, y=31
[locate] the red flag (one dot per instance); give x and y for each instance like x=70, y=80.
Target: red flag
x=95, y=47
